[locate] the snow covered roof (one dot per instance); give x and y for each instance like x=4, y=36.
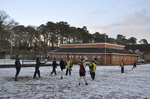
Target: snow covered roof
x=100, y=50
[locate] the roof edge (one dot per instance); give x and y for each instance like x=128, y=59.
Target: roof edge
x=92, y=44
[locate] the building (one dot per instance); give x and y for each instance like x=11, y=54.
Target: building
x=108, y=54
x=143, y=50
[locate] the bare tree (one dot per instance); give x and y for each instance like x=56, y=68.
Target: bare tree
x=6, y=23
x=3, y=23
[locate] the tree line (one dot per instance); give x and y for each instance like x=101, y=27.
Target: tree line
x=51, y=34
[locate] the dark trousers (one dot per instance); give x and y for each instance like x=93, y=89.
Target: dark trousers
x=69, y=71
x=53, y=71
x=37, y=71
x=134, y=67
x=122, y=69
x=17, y=71
x=93, y=75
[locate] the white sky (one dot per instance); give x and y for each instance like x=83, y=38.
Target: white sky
x=130, y=18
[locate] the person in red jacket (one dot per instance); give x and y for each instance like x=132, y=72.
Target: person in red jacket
x=82, y=72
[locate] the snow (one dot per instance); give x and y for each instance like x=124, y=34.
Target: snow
x=109, y=84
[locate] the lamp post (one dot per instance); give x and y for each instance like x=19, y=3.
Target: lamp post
x=11, y=49
x=105, y=50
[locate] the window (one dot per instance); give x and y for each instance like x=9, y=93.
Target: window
x=129, y=58
x=100, y=57
x=70, y=56
x=125, y=58
x=115, y=58
x=77, y=57
x=132, y=58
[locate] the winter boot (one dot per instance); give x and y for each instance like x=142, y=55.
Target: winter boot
x=61, y=77
x=16, y=78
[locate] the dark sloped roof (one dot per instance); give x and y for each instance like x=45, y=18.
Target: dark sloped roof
x=91, y=50
x=141, y=47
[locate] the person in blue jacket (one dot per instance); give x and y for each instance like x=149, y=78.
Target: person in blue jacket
x=37, y=66
x=17, y=66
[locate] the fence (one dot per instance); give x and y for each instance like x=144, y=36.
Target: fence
x=22, y=57
x=9, y=59
x=2, y=56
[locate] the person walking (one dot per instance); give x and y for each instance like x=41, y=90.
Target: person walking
x=82, y=72
x=92, y=63
x=69, y=66
x=37, y=66
x=62, y=66
x=122, y=66
x=93, y=69
x=134, y=65
x=54, y=64
x=17, y=66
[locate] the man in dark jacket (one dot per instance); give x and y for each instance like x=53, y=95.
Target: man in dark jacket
x=37, y=71
x=62, y=66
x=17, y=66
x=54, y=64
x=134, y=65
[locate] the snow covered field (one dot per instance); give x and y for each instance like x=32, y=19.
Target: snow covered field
x=109, y=84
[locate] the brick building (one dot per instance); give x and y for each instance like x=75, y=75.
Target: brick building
x=143, y=50
x=109, y=54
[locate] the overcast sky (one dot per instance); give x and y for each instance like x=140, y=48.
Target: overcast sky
x=130, y=18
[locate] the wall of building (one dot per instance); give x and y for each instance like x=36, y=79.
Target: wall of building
x=146, y=57
x=111, y=59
